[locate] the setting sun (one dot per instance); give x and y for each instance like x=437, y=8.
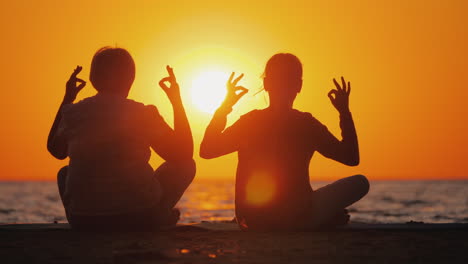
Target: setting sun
x=208, y=90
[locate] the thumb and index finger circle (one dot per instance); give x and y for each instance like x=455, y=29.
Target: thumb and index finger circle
x=242, y=89
x=163, y=81
x=331, y=93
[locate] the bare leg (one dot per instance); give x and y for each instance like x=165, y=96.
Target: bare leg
x=331, y=200
x=174, y=177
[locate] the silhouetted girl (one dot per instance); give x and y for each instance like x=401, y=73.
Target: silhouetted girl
x=108, y=183
x=275, y=146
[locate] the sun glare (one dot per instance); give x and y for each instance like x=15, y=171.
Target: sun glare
x=208, y=90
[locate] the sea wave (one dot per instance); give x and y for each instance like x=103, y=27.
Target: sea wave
x=206, y=200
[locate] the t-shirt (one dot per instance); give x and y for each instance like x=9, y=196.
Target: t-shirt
x=274, y=152
x=109, y=148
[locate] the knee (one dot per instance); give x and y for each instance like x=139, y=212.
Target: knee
x=190, y=168
x=362, y=184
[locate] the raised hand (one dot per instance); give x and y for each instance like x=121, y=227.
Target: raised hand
x=339, y=97
x=234, y=92
x=172, y=91
x=74, y=85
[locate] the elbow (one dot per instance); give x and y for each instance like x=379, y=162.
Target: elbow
x=353, y=162
x=56, y=154
x=59, y=155
x=205, y=153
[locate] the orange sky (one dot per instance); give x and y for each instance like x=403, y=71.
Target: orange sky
x=407, y=61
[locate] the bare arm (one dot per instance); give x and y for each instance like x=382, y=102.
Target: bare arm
x=215, y=143
x=57, y=145
x=345, y=151
x=179, y=145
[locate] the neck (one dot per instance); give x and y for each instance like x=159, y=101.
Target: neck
x=281, y=105
x=281, y=102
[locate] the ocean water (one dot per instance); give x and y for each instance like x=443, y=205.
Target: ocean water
x=205, y=200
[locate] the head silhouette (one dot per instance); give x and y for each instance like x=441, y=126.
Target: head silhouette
x=112, y=71
x=283, y=78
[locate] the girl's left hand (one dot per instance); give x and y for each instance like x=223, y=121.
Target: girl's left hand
x=74, y=85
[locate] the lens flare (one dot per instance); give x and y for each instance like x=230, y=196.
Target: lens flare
x=260, y=189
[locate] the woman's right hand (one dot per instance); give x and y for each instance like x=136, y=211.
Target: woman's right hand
x=234, y=92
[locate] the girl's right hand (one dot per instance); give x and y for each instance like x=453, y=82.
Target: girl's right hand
x=234, y=92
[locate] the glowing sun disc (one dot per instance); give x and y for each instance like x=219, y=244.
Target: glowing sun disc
x=208, y=90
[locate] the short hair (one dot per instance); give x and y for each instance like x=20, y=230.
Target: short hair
x=112, y=69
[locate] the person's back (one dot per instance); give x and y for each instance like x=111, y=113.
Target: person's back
x=273, y=169
x=275, y=146
x=109, y=183
x=109, y=152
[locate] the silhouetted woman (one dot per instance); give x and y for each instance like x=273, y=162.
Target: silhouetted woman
x=109, y=183
x=275, y=146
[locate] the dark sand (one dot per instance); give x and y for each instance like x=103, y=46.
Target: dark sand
x=223, y=243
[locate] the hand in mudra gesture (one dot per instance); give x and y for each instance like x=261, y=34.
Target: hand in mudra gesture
x=74, y=85
x=339, y=97
x=172, y=91
x=234, y=92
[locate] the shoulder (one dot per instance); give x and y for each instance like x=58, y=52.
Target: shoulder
x=256, y=113
x=309, y=120
x=151, y=113
x=254, y=116
x=306, y=116
x=151, y=109
x=78, y=109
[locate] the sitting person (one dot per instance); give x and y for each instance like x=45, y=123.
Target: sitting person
x=275, y=146
x=109, y=184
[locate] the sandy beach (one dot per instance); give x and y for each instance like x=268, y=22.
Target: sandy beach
x=223, y=243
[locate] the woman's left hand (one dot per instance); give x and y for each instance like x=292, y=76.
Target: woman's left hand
x=339, y=97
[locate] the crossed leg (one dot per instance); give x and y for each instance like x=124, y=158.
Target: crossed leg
x=174, y=178
x=330, y=201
